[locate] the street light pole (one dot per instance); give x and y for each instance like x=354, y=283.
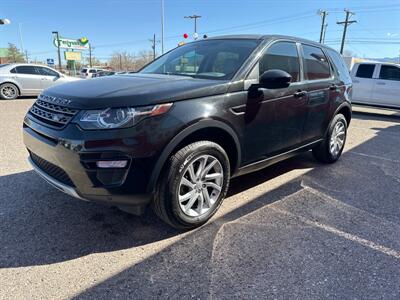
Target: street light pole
x=162, y=26
x=58, y=49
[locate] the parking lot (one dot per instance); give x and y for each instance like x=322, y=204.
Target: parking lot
x=298, y=229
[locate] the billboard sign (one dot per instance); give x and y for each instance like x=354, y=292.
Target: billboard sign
x=79, y=44
x=69, y=55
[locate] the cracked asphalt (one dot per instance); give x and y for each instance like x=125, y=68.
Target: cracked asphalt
x=298, y=229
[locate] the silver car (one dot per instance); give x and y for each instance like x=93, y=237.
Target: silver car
x=28, y=80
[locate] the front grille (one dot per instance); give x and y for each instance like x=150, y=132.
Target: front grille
x=51, y=114
x=52, y=170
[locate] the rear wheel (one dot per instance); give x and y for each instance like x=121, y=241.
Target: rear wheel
x=8, y=91
x=332, y=147
x=193, y=185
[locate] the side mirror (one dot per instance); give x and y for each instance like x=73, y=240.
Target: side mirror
x=275, y=79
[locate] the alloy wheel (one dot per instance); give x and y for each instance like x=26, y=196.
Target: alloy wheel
x=200, y=186
x=8, y=91
x=337, y=138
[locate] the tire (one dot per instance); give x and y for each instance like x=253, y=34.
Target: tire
x=325, y=152
x=170, y=202
x=8, y=91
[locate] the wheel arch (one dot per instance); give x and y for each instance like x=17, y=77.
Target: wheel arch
x=212, y=130
x=344, y=109
x=13, y=83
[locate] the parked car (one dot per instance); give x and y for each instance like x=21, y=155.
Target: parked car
x=376, y=84
x=173, y=134
x=89, y=72
x=28, y=80
x=104, y=73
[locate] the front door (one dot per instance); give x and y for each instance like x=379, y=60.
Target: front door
x=48, y=77
x=275, y=119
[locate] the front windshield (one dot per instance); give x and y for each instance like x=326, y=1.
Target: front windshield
x=212, y=59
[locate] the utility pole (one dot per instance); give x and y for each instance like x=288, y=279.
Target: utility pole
x=162, y=26
x=323, y=14
x=323, y=37
x=58, y=49
x=120, y=62
x=346, y=23
x=26, y=56
x=90, y=55
x=153, y=46
x=195, y=17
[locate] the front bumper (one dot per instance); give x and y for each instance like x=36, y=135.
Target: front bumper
x=66, y=159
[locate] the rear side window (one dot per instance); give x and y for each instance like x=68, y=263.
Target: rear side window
x=83, y=70
x=316, y=65
x=92, y=71
x=14, y=70
x=26, y=70
x=389, y=73
x=281, y=56
x=340, y=66
x=365, y=71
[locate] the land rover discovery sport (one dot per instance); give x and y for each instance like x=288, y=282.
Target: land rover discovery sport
x=173, y=134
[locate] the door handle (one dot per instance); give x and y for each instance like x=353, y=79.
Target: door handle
x=380, y=83
x=333, y=87
x=300, y=94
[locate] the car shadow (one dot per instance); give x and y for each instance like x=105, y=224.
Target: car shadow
x=40, y=225
x=345, y=194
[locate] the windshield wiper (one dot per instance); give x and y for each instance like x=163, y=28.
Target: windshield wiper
x=177, y=74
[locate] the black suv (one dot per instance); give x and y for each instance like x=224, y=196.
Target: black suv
x=173, y=134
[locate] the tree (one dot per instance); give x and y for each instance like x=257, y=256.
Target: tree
x=122, y=61
x=14, y=54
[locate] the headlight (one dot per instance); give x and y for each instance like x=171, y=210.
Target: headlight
x=124, y=117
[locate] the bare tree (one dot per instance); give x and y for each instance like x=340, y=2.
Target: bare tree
x=122, y=61
x=125, y=61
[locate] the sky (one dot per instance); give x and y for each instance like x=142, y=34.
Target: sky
x=127, y=25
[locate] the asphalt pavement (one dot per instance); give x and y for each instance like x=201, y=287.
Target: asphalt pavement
x=298, y=229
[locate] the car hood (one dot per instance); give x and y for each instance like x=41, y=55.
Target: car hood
x=134, y=90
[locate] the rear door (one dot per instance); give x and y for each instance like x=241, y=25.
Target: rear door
x=321, y=88
x=363, y=82
x=28, y=78
x=386, y=90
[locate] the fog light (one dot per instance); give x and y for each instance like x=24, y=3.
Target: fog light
x=111, y=164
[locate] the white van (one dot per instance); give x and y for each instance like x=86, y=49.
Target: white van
x=88, y=72
x=376, y=83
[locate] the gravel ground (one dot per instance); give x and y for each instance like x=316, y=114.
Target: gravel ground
x=298, y=229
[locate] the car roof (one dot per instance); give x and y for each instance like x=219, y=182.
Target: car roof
x=267, y=37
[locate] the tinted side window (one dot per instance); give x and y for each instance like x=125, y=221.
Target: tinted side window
x=26, y=70
x=92, y=71
x=365, y=71
x=389, y=73
x=316, y=66
x=340, y=66
x=46, y=72
x=281, y=56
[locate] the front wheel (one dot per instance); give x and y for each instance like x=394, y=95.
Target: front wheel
x=8, y=91
x=193, y=185
x=332, y=147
